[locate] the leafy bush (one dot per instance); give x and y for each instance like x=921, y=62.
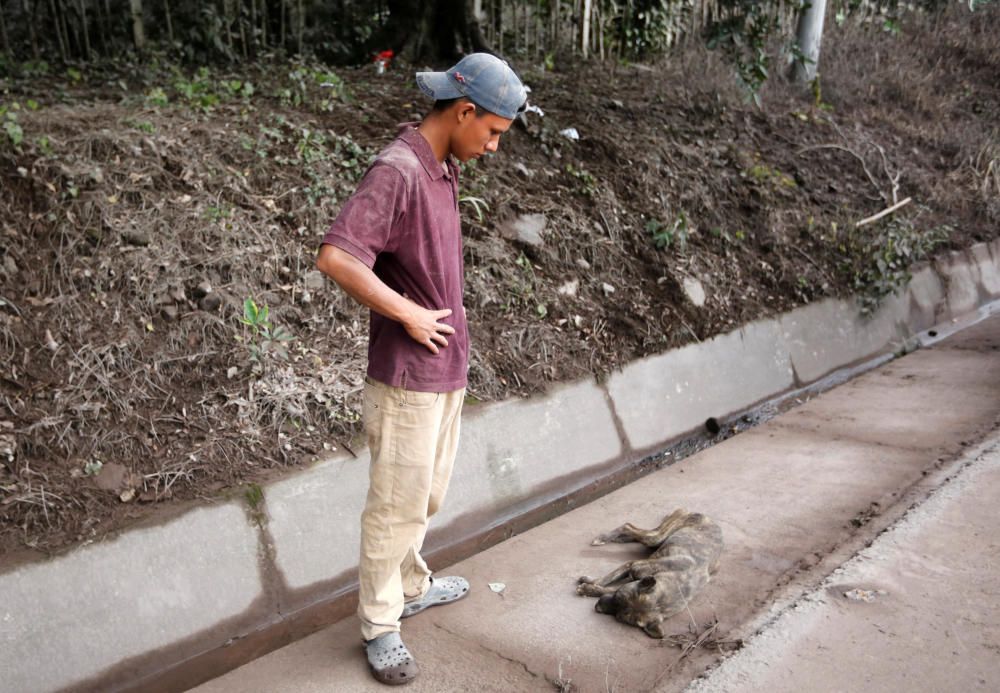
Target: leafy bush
x=880, y=257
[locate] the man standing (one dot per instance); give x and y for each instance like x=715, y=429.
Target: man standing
x=396, y=247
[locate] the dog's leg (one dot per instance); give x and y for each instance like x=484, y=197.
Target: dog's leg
x=589, y=587
x=647, y=537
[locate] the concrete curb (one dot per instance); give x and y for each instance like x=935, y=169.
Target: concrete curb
x=125, y=613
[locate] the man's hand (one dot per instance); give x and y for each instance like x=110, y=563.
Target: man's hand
x=423, y=326
x=360, y=282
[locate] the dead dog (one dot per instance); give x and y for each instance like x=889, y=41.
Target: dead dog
x=688, y=546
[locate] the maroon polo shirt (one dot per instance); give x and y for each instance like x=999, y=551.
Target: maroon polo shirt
x=403, y=223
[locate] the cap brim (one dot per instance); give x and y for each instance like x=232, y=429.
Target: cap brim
x=438, y=85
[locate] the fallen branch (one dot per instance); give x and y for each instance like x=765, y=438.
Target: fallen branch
x=707, y=638
x=888, y=210
x=850, y=151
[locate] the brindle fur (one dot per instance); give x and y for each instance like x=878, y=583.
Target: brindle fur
x=687, y=549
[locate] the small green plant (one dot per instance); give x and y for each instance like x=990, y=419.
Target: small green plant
x=255, y=496
x=265, y=338
x=666, y=235
x=9, y=124
x=141, y=125
x=477, y=203
x=721, y=233
x=44, y=145
x=306, y=80
x=311, y=146
x=762, y=173
x=351, y=155
x=199, y=90
x=157, y=97
x=891, y=26
x=520, y=286
x=218, y=213
x=588, y=184
x=238, y=89
x=34, y=68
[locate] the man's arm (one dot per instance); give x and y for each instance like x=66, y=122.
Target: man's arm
x=363, y=286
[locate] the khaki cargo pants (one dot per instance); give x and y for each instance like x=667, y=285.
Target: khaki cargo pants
x=413, y=439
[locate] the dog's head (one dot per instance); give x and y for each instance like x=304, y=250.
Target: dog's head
x=645, y=603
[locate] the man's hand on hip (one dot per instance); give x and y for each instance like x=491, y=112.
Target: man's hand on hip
x=423, y=326
x=360, y=282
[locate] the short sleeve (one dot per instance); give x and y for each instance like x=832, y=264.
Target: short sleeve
x=365, y=223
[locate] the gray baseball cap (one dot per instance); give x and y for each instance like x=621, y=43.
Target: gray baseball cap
x=484, y=79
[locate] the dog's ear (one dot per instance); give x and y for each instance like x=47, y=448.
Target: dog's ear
x=654, y=629
x=647, y=584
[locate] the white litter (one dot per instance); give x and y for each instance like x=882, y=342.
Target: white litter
x=570, y=133
x=498, y=587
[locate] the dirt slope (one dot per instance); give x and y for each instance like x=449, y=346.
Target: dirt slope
x=143, y=207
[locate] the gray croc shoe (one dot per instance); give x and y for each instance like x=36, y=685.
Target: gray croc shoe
x=390, y=661
x=442, y=591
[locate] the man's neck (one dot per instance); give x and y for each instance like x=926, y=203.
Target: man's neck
x=437, y=136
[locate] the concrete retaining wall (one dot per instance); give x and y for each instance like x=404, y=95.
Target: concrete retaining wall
x=67, y=622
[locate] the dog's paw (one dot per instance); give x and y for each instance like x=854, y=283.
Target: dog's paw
x=584, y=579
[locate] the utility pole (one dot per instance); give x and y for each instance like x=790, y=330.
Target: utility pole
x=808, y=37
x=138, y=32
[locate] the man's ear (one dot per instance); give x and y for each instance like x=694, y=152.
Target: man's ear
x=465, y=110
x=647, y=584
x=654, y=629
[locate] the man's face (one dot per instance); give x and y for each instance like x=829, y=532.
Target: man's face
x=475, y=134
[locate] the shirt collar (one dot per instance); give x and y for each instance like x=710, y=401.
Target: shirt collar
x=422, y=148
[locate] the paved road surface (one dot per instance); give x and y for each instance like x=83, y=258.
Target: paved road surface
x=797, y=498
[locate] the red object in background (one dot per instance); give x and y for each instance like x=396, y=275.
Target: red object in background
x=382, y=60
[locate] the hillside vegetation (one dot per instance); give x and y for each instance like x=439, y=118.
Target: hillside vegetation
x=164, y=336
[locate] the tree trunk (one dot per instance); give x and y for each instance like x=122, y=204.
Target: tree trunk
x=64, y=22
x=86, y=29
x=808, y=38
x=499, y=23
x=253, y=25
x=29, y=16
x=263, y=23
x=170, y=22
x=3, y=33
x=439, y=30
x=599, y=22
x=59, y=35
x=138, y=32
x=100, y=20
x=227, y=20
x=244, y=49
x=585, y=35
x=556, y=18
x=302, y=26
